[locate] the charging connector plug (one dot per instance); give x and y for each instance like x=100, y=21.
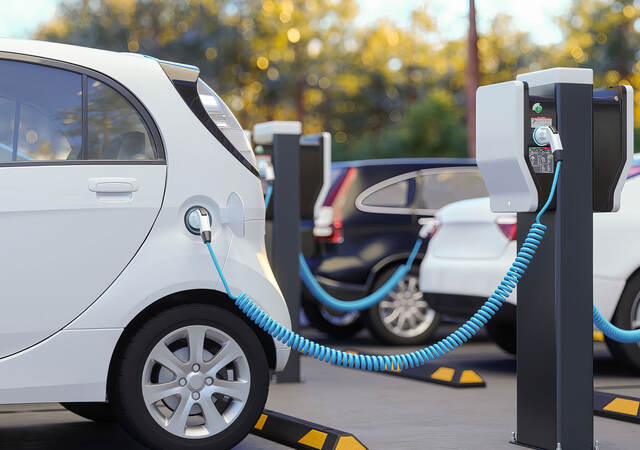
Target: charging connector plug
x=205, y=225
x=547, y=136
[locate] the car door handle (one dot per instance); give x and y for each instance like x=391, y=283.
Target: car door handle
x=113, y=185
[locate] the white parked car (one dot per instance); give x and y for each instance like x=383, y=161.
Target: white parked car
x=110, y=304
x=471, y=249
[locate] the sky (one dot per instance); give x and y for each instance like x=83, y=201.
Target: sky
x=20, y=18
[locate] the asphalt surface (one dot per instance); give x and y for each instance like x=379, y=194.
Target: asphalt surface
x=382, y=411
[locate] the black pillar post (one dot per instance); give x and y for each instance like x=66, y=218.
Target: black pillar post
x=286, y=235
x=554, y=318
x=574, y=269
x=536, y=346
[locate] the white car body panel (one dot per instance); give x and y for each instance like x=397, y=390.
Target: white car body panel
x=59, y=242
x=452, y=266
x=199, y=171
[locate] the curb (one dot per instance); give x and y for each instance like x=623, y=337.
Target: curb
x=447, y=376
x=300, y=434
x=618, y=407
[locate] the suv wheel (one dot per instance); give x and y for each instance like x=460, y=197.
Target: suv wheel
x=627, y=317
x=404, y=317
x=334, y=323
x=193, y=377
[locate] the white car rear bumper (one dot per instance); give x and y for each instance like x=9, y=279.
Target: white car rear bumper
x=480, y=277
x=468, y=277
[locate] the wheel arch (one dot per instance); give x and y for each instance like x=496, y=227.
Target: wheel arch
x=632, y=276
x=192, y=296
x=388, y=261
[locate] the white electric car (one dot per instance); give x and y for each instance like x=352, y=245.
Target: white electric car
x=110, y=302
x=471, y=249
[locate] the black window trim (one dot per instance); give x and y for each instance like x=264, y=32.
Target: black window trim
x=147, y=120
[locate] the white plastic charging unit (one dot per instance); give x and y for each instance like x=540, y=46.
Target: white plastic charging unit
x=500, y=128
x=515, y=155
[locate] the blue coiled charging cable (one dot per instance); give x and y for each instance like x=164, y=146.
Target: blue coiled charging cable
x=414, y=359
x=365, y=302
x=352, y=305
x=613, y=332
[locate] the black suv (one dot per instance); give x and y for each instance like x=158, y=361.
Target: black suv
x=366, y=228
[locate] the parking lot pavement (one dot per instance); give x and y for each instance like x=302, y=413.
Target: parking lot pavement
x=382, y=411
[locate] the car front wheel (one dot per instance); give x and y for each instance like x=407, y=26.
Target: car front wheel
x=403, y=317
x=193, y=377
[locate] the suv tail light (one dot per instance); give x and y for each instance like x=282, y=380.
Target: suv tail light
x=509, y=227
x=328, y=223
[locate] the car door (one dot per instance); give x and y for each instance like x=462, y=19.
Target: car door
x=82, y=177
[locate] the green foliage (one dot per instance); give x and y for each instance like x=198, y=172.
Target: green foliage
x=433, y=126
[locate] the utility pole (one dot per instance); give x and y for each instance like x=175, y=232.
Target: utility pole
x=472, y=80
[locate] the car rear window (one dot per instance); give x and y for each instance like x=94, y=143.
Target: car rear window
x=438, y=189
x=395, y=195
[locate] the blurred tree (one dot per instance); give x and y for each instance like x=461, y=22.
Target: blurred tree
x=433, y=126
x=270, y=59
x=369, y=86
x=604, y=35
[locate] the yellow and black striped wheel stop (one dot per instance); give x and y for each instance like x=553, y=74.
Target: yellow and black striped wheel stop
x=297, y=433
x=614, y=406
x=447, y=376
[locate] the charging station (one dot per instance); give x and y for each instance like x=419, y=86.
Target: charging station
x=284, y=140
x=284, y=150
x=555, y=369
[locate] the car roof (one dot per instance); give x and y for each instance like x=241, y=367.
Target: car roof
x=405, y=161
x=89, y=57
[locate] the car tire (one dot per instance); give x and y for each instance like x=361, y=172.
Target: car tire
x=395, y=334
x=504, y=335
x=96, y=411
x=333, y=323
x=626, y=316
x=226, y=356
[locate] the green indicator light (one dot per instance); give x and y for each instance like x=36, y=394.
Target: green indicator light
x=537, y=108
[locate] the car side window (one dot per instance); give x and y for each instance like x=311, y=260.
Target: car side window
x=115, y=129
x=439, y=188
x=40, y=113
x=395, y=195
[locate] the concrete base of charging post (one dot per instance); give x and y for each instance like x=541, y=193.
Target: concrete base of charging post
x=297, y=433
x=447, y=376
x=614, y=406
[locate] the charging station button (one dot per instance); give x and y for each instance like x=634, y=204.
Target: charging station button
x=541, y=159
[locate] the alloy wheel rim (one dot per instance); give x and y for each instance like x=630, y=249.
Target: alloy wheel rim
x=405, y=312
x=196, y=381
